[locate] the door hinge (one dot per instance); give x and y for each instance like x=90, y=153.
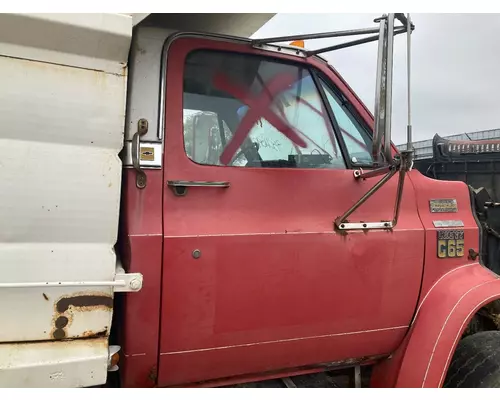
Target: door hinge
x=127, y=282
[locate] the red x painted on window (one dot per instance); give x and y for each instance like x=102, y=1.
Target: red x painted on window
x=259, y=106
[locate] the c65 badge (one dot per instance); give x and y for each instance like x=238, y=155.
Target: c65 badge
x=450, y=243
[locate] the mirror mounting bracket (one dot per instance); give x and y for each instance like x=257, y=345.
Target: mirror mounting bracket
x=401, y=165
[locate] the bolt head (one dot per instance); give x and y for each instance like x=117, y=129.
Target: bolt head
x=196, y=254
x=135, y=284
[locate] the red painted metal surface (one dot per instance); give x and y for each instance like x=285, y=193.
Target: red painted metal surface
x=142, y=240
x=452, y=290
x=442, y=317
x=275, y=287
x=426, y=189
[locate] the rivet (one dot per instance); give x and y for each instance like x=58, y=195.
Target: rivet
x=196, y=253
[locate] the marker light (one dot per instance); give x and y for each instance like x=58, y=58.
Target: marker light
x=113, y=358
x=297, y=43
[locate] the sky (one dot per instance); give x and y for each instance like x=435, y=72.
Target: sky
x=455, y=68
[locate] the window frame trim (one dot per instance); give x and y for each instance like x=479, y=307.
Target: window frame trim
x=336, y=128
x=323, y=80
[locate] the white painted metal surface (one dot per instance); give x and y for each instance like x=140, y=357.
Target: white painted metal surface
x=77, y=363
x=62, y=107
x=144, y=84
x=93, y=41
x=137, y=18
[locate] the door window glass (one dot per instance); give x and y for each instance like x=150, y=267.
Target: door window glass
x=251, y=111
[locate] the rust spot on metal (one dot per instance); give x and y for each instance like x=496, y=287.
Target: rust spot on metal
x=153, y=374
x=61, y=322
x=59, y=334
x=45, y=296
x=89, y=334
x=473, y=255
x=349, y=362
x=59, y=325
x=84, y=301
x=49, y=344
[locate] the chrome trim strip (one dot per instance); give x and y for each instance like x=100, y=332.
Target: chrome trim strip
x=284, y=340
x=212, y=36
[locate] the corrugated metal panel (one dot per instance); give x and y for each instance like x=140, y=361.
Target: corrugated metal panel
x=62, y=109
x=423, y=148
x=70, y=363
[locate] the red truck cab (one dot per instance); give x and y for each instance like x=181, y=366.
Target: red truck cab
x=246, y=275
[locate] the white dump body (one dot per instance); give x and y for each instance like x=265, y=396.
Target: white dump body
x=62, y=109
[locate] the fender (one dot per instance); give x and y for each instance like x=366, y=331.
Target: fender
x=423, y=358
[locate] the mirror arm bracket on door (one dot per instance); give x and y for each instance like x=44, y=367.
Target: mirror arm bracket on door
x=402, y=165
x=360, y=174
x=180, y=188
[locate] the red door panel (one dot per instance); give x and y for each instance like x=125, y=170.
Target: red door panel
x=255, y=278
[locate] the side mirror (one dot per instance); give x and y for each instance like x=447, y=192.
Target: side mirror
x=383, y=89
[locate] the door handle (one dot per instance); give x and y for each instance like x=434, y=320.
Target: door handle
x=180, y=187
x=142, y=129
x=198, y=184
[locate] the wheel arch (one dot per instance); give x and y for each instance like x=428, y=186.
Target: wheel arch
x=442, y=317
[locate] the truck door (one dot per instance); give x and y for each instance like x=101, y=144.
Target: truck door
x=260, y=148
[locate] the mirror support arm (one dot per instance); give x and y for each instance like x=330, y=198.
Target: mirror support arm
x=342, y=223
x=401, y=165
